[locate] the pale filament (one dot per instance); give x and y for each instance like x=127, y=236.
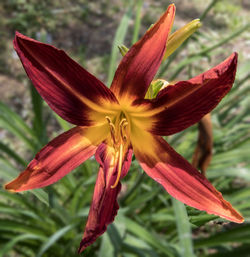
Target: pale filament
x=119, y=167
x=119, y=140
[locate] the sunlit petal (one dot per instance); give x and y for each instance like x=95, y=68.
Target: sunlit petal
x=59, y=157
x=181, y=105
x=178, y=177
x=69, y=90
x=104, y=205
x=139, y=66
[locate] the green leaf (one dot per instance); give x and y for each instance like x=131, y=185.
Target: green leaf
x=14, y=124
x=20, y=227
x=106, y=248
x=143, y=233
x=7, y=247
x=52, y=240
x=41, y=195
x=4, y=148
x=137, y=246
x=240, y=234
x=201, y=219
x=137, y=21
x=183, y=228
x=38, y=122
x=7, y=170
x=241, y=251
x=63, y=123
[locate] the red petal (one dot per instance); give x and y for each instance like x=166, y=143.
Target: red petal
x=104, y=205
x=58, y=158
x=185, y=103
x=67, y=88
x=179, y=178
x=139, y=66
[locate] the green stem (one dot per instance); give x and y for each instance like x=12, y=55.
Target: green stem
x=204, y=14
x=223, y=41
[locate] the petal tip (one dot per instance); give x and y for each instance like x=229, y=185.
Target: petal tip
x=171, y=8
x=80, y=249
x=19, y=35
x=9, y=188
x=233, y=59
x=86, y=242
x=234, y=56
x=239, y=219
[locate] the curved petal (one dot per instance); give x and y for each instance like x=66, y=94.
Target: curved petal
x=59, y=157
x=185, y=103
x=178, y=177
x=104, y=204
x=68, y=88
x=139, y=66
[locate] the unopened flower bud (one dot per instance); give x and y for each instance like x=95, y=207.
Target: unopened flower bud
x=179, y=36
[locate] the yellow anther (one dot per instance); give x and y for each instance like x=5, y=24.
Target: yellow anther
x=112, y=129
x=119, y=171
x=122, y=121
x=123, y=125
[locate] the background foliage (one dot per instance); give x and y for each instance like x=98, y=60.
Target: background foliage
x=49, y=222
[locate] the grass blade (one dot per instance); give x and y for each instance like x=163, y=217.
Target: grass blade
x=7, y=247
x=12, y=154
x=183, y=228
x=51, y=240
x=141, y=232
x=118, y=40
x=137, y=21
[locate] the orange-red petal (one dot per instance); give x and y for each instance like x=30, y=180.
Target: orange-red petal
x=104, y=204
x=185, y=103
x=69, y=89
x=139, y=66
x=59, y=157
x=179, y=178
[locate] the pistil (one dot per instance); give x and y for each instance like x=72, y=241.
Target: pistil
x=119, y=171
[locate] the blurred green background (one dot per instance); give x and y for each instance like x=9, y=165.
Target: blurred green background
x=49, y=222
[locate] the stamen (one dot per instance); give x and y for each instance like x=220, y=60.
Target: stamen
x=122, y=121
x=119, y=138
x=112, y=129
x=123, y=125
x=119, y=167
x=108, y=119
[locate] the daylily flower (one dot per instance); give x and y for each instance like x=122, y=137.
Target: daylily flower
x=117, y=122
